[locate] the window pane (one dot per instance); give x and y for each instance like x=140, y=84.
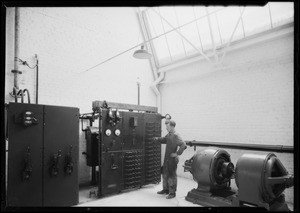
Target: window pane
x=191, y=34
x=168, y=14
x=213, y=9
x=282, y=12
x=215, y=30
x=154, y=21
x=256, y=19
x=161, y=49
x=205, y=34
x=175, y=45
x=228, y=19
x=199, y=11
x=184, y=14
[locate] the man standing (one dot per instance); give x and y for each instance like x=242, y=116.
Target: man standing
x=172, y=141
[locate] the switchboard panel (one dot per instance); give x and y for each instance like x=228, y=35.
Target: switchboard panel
x=112, y=137
x=61, y=134
x=25, y=158
x=42, y=155
x=112, y=172
x=133, y=126
x=130, y=158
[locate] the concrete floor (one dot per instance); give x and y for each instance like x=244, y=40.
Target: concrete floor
x=142, y=197
x=145, y=196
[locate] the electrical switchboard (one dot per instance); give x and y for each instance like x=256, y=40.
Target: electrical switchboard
x=42, y=153
x=129, y=158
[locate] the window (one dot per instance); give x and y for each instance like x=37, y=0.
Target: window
x=181, y=32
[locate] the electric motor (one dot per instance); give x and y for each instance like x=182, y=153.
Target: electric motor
x=212, y=169
x=261, y=178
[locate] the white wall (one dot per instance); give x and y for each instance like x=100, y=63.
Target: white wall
x=252, y=103
x=69, y=41
x=249, y=101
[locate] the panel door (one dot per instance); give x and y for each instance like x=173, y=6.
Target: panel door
x=25, y=142
x=133, y=128
x=112, y=172
x=152, y=149
x=61, y=140
x=112, y=133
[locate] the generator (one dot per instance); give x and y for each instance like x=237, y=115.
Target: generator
x=121, y=146
x=260, y=179
x=42, y=155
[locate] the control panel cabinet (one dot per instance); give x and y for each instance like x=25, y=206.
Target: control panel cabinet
x=112, y=172
x=43, y=150
x=25, y=157
x=130, y=158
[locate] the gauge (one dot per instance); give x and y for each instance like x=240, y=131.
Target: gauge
x=117, y=132
x=108, y=132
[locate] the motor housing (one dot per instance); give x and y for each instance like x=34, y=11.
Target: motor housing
x=261, y=180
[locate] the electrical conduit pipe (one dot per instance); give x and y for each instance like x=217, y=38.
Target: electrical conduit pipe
x=156, y=91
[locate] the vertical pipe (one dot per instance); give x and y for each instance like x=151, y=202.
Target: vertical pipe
x=15, y=94
x=22, y=96
x=16, y=50
x=100, y=154
x=37, y=80
x=94, y=179
x=156, y=91
x=138, y=85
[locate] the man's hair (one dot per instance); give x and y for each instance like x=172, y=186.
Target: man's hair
x=172, y=123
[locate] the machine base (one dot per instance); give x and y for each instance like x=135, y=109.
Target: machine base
x=217, y=199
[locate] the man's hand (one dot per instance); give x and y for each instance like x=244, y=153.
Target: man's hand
x=173, y=155
x=155, y=138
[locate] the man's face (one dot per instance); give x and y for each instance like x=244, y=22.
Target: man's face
x=168, y=127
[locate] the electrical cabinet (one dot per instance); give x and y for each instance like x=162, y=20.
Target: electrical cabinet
x=42, y=167
x=129, y=158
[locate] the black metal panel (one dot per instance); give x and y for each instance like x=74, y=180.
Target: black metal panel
x=152, y=149
x=61, y=135
x=133, y=130
x=129, y=158
x=92, y=135
x=22, y=191
x=112, y=174
x=133, y=169
x=111, y=142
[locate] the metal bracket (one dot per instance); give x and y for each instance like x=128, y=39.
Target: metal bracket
x=16, y=71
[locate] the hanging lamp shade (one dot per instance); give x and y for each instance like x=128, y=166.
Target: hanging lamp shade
x=142, y=53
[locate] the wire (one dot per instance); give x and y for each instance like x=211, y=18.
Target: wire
x=25, y=63
x=149, y=40
x=30, y=66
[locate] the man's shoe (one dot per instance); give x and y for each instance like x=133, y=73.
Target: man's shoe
x=164, y=191
x=170, y=196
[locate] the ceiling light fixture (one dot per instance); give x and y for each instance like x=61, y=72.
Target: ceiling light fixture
x=142, y=53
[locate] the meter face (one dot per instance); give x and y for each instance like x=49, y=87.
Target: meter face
x=117, y=132
x=108, y=132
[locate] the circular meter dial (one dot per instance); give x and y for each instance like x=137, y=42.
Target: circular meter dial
x=108, y=132
x=117, y=132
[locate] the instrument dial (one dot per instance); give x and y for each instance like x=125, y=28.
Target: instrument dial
x=117, y=132
x=108, y=132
